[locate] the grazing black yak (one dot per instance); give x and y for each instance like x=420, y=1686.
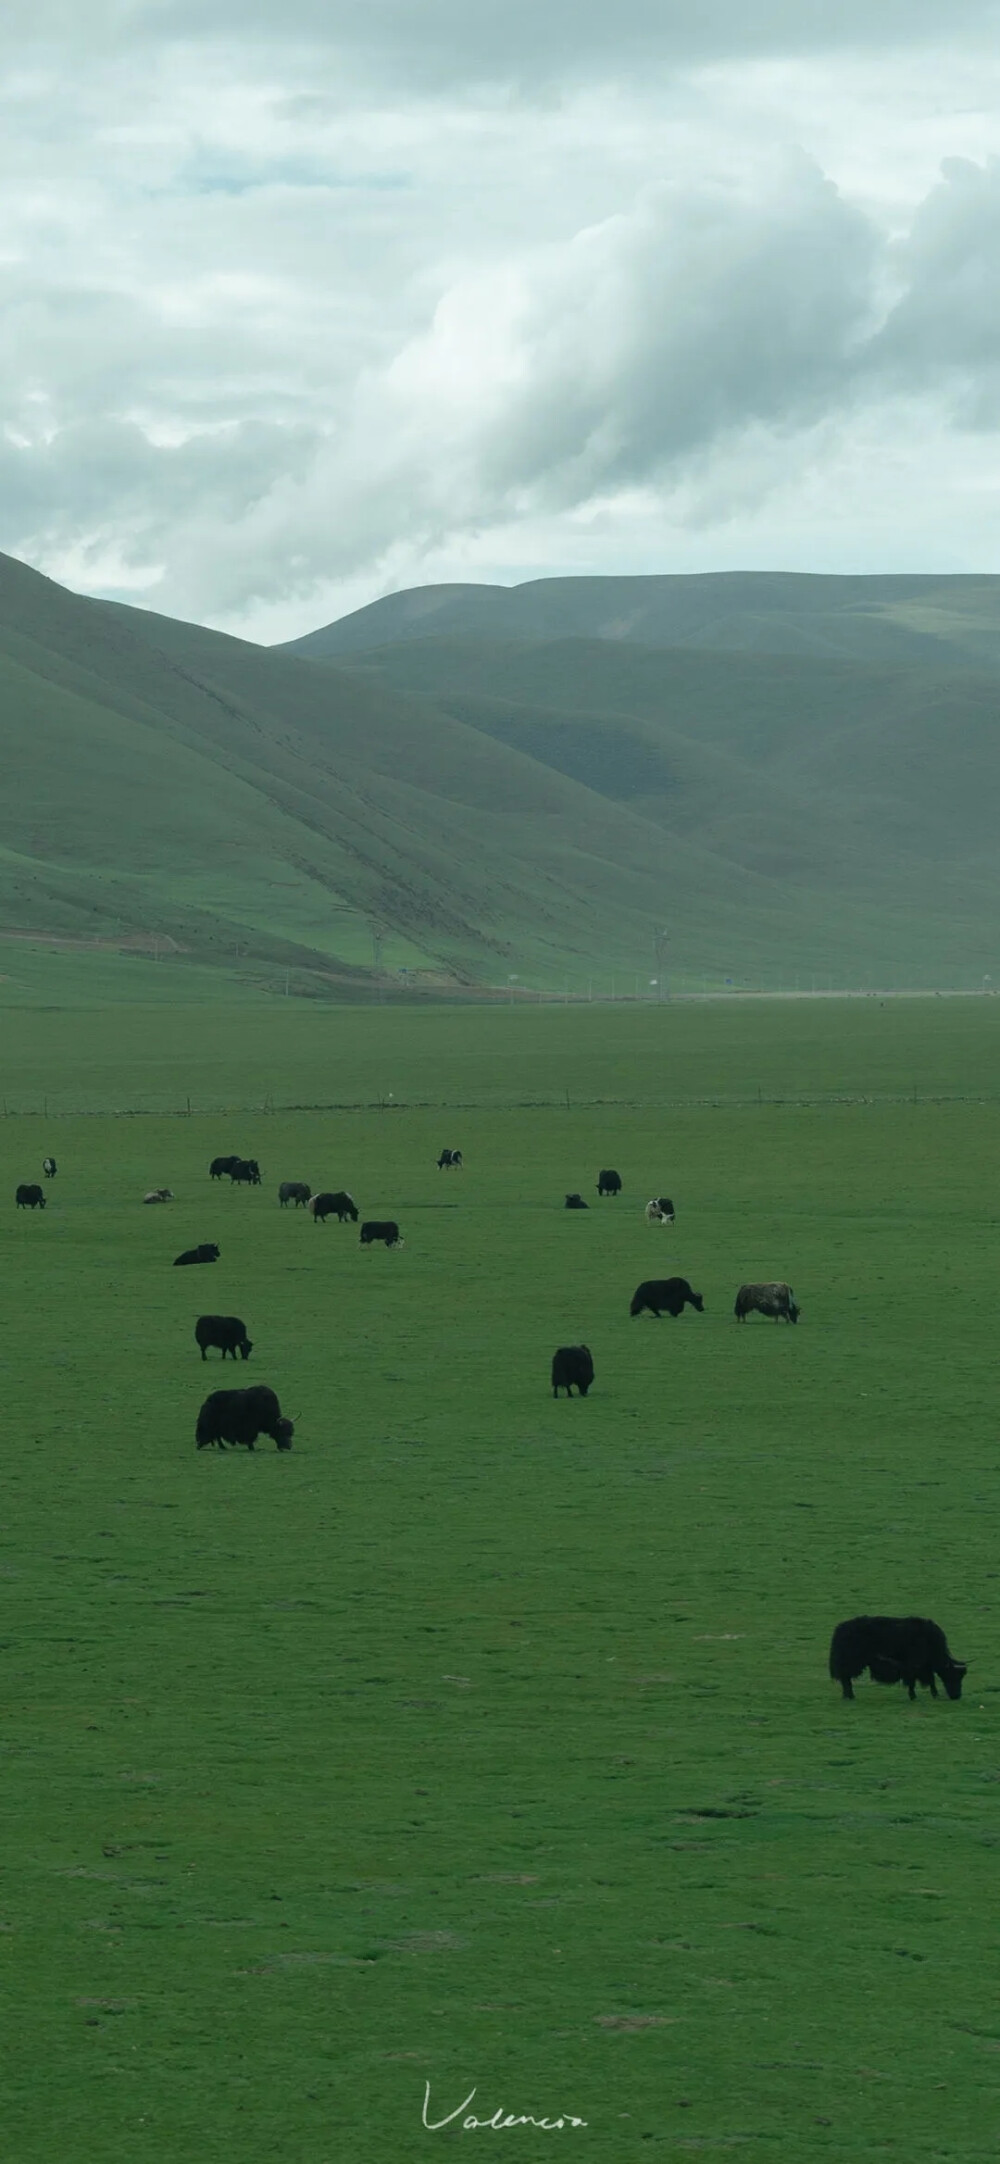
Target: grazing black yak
x=221, y=1165
x=775, y=1299
x=895, y=1649
x=244, y=1172
x=665, y=1295
x=30, y=1198
x=572, y=1364
x=239, y=1416
x=575, y=1202
x=225, y=1331
x=609, y=1183
x=342, y=1206
x=386, y=1231
x=450, y=1159
x=49, y=1167
x=294, y=1191
x=207, y=1253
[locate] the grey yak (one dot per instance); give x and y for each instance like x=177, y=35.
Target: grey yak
x=775, y=1299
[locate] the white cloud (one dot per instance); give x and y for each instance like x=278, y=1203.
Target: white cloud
x=293, y=312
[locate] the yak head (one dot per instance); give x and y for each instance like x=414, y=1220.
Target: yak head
x=283, y=1433
x=698, y=1302
x=246, y=1348
x=794, y=1311
x=952, y=1678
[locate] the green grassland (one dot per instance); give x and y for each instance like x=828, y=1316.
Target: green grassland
x=481, y=1739
x=538, y=792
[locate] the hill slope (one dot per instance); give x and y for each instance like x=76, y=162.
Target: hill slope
x=542, y=810
x=942, y=622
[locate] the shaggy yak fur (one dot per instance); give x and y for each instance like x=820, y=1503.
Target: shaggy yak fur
x=239, y=1416
x=572, y=1364
x=665, y=1295
x=895, y=1649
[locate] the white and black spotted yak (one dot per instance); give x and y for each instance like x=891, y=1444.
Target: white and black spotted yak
x=572, y=1364
x=450, y=1160
x=776, y=1299
x=224, y=1332
x=906, y=1649
x=240, y=1416
x=49, y=1167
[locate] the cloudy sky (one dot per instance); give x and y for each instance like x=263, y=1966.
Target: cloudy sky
x=306, y=300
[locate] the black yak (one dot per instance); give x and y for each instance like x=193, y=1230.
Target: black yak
x=294, y=1191
x=386, y=1231
x=660, y=1211
x=572, y=1364
x=225, y=1331
x=450, y=1159
x=342, y=1206
x=895, y=1649
x=49, y=1167
x=609, y=1183
x=239, y=1416
x=206, y=1253
x=775, y=1299
x=244, y=1172
x=221, y=1165
x=30, y=1198
x=665, y=1295
x=575, y=1202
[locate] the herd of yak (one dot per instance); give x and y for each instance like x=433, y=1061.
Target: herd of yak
x=894, y=1649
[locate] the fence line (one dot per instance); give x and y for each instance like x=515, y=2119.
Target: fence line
x=804, y=1100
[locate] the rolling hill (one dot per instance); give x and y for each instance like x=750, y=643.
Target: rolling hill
x=482, y=805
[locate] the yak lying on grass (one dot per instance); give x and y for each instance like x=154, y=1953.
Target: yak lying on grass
x=450, y=1160
x=159, y=1194
x=206, y=1253
x=29, y=1198
x=342, y=1206
x=660, y=1211
x=294, y=1191
x=226, y=1332
x=385, y=1230
x=895, y=1649
x=239, y=1416
x=775, y=1299
x=572, y=1364
x=665, y=1296
x=576, y=1202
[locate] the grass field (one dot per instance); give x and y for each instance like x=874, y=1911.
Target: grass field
x=485, y=1740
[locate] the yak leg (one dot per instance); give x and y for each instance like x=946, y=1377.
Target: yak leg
x=847, y=1686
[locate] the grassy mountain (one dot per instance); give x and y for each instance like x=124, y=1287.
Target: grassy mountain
x=941, y=622
x=491, y=808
